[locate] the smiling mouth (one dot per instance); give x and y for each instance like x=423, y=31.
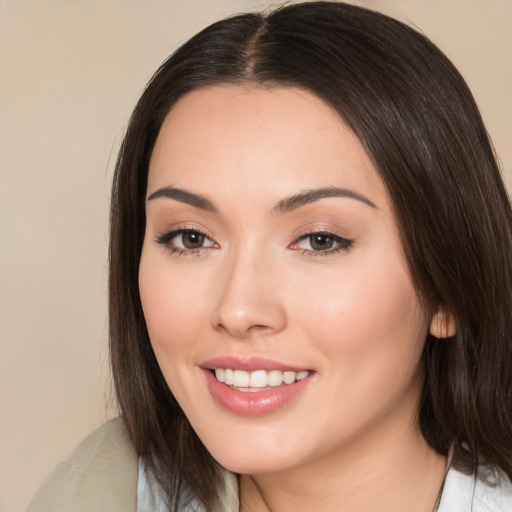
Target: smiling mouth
x=259, y=380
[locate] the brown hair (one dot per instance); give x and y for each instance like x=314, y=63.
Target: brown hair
x=418, y=121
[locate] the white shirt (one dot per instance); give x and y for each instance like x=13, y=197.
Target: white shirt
x=464, y=493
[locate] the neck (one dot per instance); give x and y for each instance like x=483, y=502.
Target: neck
x=389, y=473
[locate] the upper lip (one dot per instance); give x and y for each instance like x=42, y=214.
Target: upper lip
x=249, y=364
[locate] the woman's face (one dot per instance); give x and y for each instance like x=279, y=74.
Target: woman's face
x=272, y=258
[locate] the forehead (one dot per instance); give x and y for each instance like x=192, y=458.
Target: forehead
x=246, y=136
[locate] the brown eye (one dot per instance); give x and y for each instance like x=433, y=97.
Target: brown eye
x=192, y=239
x=185, y=240
x=321, y=242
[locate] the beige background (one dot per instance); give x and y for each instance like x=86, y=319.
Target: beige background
x=70, y=72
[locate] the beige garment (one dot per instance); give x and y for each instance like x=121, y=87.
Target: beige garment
x=101, y=474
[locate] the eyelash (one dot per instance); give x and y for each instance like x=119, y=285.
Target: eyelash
x=166, y=240
x=343, y=244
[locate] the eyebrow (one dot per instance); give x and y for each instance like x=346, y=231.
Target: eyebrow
x=310, y=196
x=284, y=206
x=183, y=196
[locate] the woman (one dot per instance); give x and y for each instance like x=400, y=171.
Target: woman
x=310, y=302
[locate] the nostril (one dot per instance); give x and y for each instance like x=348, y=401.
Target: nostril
x=259, y=327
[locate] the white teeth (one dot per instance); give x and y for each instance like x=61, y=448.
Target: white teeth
x=228, y=376
x=258, y=378
x=275, y=378
x=240, y=379
x=289, y=377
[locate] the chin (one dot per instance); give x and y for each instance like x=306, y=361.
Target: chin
x=246, y=466
x=253, y=456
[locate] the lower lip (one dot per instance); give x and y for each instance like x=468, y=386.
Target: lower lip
x=258, y=403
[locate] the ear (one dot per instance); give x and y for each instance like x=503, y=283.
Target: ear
x=443, y=325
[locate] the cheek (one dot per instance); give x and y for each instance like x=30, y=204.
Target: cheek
x=170, y=303
x=173, y=319
x=370, y=310
x=370, y=329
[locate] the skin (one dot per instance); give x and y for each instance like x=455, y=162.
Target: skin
x=257, y=287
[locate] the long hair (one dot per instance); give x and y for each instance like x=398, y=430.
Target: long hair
x=419, y=123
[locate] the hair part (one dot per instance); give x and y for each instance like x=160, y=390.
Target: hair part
x=418, y=122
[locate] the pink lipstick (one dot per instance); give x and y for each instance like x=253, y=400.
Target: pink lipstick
x=254, y=386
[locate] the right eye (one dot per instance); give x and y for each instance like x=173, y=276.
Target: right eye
x=185, y=240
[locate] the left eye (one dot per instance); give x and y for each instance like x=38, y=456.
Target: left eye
x=185, y=239
x=322, y=242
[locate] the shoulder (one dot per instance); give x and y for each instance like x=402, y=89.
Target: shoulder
x=490, y=492
x=150, y=497
x=101, y=474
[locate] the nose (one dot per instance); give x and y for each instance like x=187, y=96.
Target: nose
x=249, y=299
